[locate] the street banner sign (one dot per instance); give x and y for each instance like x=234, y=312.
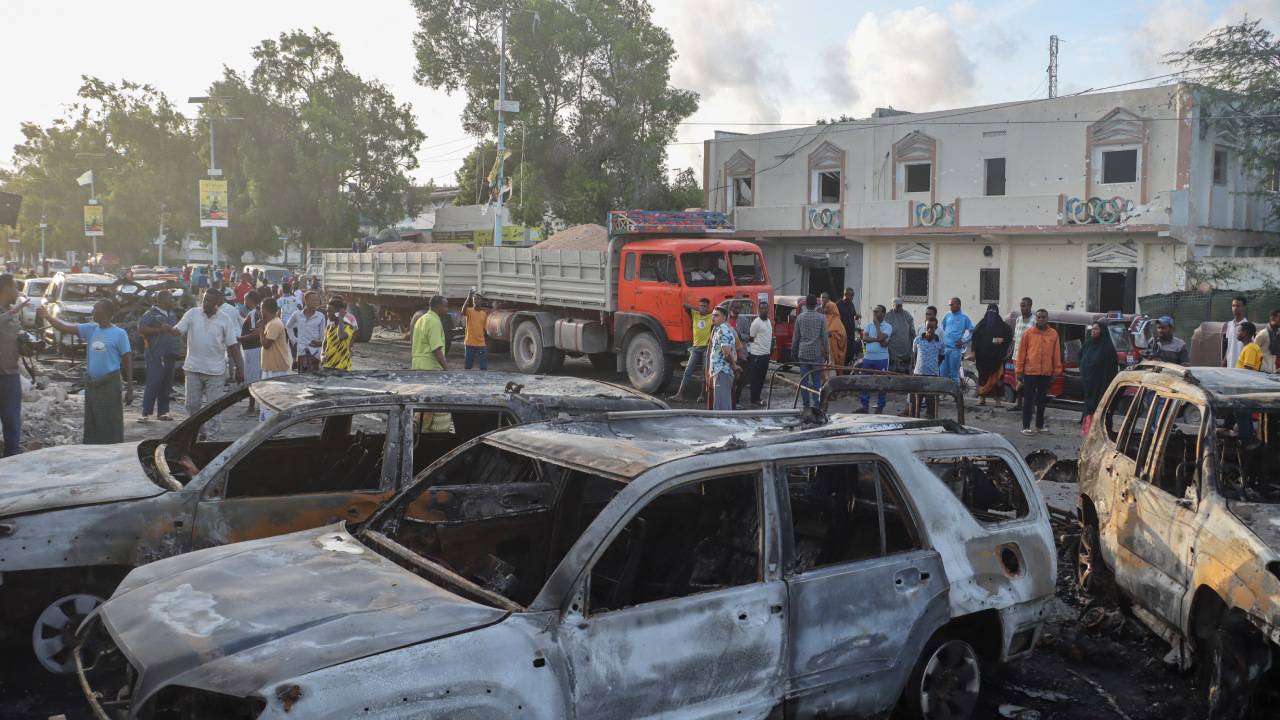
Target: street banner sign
x=213, y=203
x=93, y=221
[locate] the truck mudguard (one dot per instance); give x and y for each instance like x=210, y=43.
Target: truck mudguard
x=625, y=322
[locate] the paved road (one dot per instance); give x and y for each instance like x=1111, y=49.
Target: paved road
x=1074, y=676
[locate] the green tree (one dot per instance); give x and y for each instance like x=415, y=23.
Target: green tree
x=147, y=156
x=593, y=78
x=1239, y=65
x=319, y=150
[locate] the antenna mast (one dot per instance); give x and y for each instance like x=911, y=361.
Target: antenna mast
x=1053, y=66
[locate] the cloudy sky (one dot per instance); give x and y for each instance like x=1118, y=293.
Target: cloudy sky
x=756, y=63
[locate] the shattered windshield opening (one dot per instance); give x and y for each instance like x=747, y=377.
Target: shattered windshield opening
x=501, y=520
x=1248, y=454
x=86, y=291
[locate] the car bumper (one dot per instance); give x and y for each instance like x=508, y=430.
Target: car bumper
x=1021, y=626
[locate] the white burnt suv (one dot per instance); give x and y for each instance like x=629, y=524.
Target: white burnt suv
x=638, y=565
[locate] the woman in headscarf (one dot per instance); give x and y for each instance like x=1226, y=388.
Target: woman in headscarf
x=837, y=340
x=991, y=340
x=1098, y=366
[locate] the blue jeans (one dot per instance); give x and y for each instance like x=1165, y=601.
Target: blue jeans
x=471, y=354
x=697, y=365
x=155, y=394
x=951, y=364
x=11, y=413
x=874, y=364
x=811, y=380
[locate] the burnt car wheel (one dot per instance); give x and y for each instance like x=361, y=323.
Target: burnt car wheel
x=53, y=636
x=1232, y=663
x=946, y=681
x=1092, y=575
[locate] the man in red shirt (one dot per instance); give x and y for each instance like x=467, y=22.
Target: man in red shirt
x=244, y=287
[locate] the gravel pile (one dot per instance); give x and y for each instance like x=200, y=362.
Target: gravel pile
x=50, y=415
x=578, y=237
x=406, y=246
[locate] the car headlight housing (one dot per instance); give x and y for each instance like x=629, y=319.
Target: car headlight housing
x=183, y=703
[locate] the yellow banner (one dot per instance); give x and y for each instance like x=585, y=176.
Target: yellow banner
x=93, y=221
x=213, y=203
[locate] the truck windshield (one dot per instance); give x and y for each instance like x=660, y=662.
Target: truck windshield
x=747, y=268
x=704, y=269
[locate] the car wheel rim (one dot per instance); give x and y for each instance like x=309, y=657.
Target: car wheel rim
x=55, y=629
x=951, y=681
x=1084, y=560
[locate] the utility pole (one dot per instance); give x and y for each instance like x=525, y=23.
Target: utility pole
x=502, y=127
x=44, y=225
x=93, y=187
x=214, y=172
x=1053, y=66
x=160, y=239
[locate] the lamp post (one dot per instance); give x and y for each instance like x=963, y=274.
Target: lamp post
x=93, y=186
x=214, y=172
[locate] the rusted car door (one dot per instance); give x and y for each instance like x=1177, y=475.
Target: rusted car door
x=686, y=615
x=1156, y=518
x=309, y=472
x=865, y=595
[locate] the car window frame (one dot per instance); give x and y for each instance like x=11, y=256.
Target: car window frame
x=1131, y=417
x=406, y=475
x=1157, y=454
x=1026, y=482
x=786, y=532
x=576, y=602
x=216, y=486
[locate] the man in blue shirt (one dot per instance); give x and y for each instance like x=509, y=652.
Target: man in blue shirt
x=957, y=331
x=161, y=352
x=875, y=338
x=107, y=353
x=723, y=359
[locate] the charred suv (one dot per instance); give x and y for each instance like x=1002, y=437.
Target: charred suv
x=651, y=564
x=74, y=520
x=1180, y=506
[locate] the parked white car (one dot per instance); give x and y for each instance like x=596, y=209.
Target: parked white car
x=32, y=293
x=635, y=565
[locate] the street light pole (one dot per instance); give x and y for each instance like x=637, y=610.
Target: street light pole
x=502, y=127
x=160, y=239
x=214, y=172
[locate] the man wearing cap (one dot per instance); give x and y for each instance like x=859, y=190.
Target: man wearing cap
x=1164, y=346
x=900, y=342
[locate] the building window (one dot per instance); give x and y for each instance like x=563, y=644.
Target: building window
x=1219, y=166
x=1119, y=166
x=989, y=285
x=741, y=193
x=913, y=284
x=826, y=186
x=994, y=184
x=918, y=177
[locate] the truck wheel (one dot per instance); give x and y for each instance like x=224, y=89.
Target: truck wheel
x=604, y=362
x=527, y=350
x=648, y=368
x=366, y=317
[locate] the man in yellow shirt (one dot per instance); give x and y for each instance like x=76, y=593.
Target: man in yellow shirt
x=338, y=336
x=428, y=336
x=1250, y=354
x=428, y=354
x=697, y=365
x=473, y=344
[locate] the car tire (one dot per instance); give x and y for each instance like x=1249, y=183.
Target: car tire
x=1092, y=575
x=527, y=351
x=367, y=318
x=1226, y=660
x=648, y=368
x=946, y=681
x=53, y=633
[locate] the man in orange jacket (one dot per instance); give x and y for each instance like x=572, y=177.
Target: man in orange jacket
x=1038, y=362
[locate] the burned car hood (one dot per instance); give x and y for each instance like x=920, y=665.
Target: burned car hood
x=241, y=617
x=71, y=476
x=80, y=307
x=1262, y=519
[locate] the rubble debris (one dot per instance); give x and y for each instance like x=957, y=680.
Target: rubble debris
x=50, y=415
x=1111, y=699
x=1050, y=695
x=1017, y=712
x=1049, y=467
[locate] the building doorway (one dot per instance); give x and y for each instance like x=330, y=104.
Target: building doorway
x=1112, y=289
x=828, y=279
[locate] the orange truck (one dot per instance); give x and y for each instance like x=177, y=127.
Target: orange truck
x=623, y=308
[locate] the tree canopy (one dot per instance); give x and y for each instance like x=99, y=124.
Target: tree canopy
x=597, y=107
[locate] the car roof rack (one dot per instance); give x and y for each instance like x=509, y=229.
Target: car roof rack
x=1161, y=366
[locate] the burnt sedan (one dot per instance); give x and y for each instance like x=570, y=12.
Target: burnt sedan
x=74, y=520
x=639, y=565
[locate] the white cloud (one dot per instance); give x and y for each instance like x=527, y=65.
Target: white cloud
x=909, y=59
x=1173, y=25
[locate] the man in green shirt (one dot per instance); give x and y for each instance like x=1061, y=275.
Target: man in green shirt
x=428, y=336
x=428, y=354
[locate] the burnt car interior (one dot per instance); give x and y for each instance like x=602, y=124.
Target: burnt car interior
x=845, y=512
x=1248, y=455
x=435, y=434
x=985, y=484
x=333, y=453
x=504, y=521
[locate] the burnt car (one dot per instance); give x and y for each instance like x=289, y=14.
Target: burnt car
x=70, y=297
x=74, y=520
x=650, y=564
x=1180, y=508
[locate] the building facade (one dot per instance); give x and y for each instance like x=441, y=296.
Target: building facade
x=1085, y=202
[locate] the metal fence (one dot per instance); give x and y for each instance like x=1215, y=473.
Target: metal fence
x=1189, y=309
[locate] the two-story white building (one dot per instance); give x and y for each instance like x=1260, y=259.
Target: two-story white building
x=1083, y=202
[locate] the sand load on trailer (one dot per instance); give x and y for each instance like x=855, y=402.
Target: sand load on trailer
x=579, y=237
x=407, y=246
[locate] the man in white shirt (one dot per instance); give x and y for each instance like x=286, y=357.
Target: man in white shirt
x=212, y=339
x=758, y=351
x=306, y=329
x=1232, y=344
